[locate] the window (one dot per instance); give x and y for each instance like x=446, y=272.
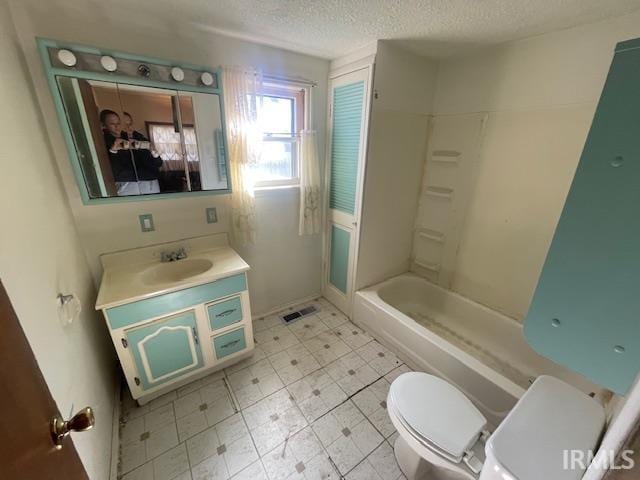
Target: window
x=166, y=141
x=281, y=113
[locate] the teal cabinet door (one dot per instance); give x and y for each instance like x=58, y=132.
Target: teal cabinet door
x=585, y=313
x=165, y=349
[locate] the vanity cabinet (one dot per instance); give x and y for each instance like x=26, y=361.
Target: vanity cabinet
x=171, y=339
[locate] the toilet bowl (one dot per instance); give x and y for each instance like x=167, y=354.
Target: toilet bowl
x=443, y=436
x=441, y=433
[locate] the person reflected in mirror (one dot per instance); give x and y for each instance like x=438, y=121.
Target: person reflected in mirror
x=147, y=159
x=120, y=157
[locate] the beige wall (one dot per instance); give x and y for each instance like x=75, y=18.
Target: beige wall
x=41, y=255
x=115, y=227
x=403, y=92
x=540, y=94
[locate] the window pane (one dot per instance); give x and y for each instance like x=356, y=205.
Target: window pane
x=275, y=163
x=276, y=115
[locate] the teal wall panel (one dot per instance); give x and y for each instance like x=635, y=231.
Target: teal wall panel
x=339, y=262
x=168, y=351
x=134, y=312
x=585, y=313
x=345, y=145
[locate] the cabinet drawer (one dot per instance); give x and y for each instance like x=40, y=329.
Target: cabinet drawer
x=135, y=312
x=229, y=343
x=225, y=313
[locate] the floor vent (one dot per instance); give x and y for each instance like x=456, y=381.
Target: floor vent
x=298, y=314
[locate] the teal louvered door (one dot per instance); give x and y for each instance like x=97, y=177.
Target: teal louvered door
x=348, y=124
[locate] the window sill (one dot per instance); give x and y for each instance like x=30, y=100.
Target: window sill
x=266, y=188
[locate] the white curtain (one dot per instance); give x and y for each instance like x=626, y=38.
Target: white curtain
x=310, y=197
x=241, y=88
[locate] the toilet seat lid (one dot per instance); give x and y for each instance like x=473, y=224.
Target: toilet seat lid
x=437, y=411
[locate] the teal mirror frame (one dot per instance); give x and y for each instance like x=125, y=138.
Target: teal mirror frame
x=52, y=72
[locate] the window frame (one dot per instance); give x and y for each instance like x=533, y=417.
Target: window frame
x=300, y=96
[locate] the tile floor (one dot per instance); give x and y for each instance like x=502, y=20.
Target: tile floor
x=310, y=404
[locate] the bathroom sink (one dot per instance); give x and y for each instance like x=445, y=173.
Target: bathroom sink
x=179, y=270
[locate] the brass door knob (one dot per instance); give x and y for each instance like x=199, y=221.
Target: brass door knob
x=80, y=422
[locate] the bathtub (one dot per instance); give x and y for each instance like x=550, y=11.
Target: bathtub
x=477, y=349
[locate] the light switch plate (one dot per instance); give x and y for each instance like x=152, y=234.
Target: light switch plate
x=212, y=215
x=146, y=222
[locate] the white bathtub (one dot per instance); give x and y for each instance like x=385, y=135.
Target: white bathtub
x=477, y=349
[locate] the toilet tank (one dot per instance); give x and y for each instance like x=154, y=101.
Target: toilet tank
x=552, y=424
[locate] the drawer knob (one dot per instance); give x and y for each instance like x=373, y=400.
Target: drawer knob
x=226, y=312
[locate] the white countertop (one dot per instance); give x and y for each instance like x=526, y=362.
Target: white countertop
x=122, y=280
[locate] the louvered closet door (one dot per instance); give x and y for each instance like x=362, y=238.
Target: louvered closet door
x=348, y=123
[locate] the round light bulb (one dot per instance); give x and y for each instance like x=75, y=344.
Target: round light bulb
x=67, y=57
x=207, y=79
x=108, y=63
x=177, y=74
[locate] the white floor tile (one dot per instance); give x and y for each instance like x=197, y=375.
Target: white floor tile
x=132, y=430
x=345, y=454
x=191, y=424
x=188, y=404
x=213, y=468
x=239, y=454
x=145, y=472
x=161, y=439
x=395, y=373
x=132, y=456
x=378, y=357
x=320, y=468
x=159, y=417
x=255, y=471
x=352, y=335
x=364, y=471
x=365, y=437
x=202, y=446
x=162, y=400
x=172, y=464
x=384, y=462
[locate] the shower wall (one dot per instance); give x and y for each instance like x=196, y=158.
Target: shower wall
x=403, y=85
x=508, y=129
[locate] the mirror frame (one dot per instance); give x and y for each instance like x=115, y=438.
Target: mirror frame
x=52, y=72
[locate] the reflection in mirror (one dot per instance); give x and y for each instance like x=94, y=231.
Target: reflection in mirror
x=134, y=140
x=204, y=139
x=142, y=107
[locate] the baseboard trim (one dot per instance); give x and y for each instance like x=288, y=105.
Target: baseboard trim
x=115, y=430
x=288, y=305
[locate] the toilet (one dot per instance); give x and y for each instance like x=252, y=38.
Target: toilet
x=443, y=436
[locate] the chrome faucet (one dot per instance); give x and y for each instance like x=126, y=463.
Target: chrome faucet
x=174, y=255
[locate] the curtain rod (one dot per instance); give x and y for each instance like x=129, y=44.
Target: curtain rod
x=298, y=80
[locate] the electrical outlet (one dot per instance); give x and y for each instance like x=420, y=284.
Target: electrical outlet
x=146, y=222
x=212, y=215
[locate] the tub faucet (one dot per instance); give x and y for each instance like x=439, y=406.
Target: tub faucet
x=174, y=255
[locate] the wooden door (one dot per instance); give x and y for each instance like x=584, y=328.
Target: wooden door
x=92, y=113
x=27, y=451
x=349, y=119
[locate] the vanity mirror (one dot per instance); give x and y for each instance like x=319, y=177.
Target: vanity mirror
x=141, y=128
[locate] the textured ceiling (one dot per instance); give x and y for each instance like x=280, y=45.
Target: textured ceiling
x=331, y=28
